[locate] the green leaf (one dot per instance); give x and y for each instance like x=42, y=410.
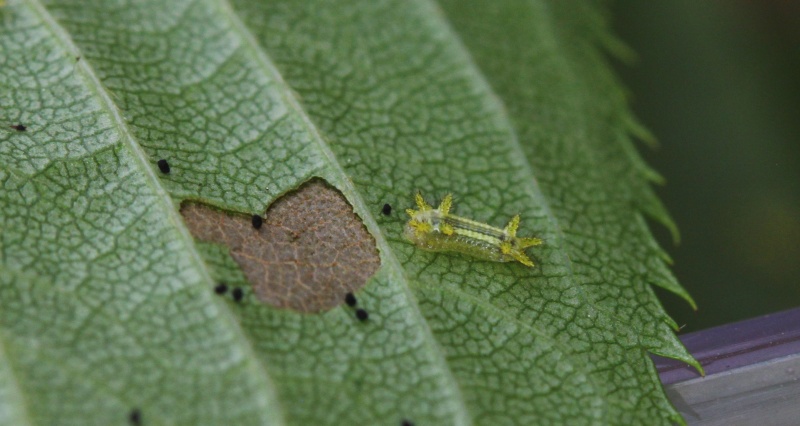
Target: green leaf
x=106, y=300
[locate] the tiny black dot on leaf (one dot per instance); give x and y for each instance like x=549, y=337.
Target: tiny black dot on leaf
x=163, y=166
x=350, y=299
x=406, y=423
x=20, y=128
x=221, y=288
x=135, y=416
x=387, y=209
x=257, y=221
x=238, y=294
x=362, y=314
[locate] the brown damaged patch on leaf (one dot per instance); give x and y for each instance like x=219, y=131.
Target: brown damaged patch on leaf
x=311, y=250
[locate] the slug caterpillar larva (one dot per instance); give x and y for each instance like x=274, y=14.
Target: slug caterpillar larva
x=438, y=230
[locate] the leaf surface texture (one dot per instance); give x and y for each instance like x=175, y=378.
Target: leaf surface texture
x=107, y=302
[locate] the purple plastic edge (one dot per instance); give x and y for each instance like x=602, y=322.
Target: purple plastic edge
x=735, y=345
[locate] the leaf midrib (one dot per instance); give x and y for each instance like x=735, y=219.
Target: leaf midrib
x=167, y=206
x=17, y=399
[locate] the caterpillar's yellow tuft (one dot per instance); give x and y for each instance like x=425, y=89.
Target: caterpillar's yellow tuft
x=438, y=230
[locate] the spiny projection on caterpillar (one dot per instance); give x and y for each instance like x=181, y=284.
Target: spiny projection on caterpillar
x=435, y=229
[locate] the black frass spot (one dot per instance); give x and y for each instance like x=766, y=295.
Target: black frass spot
x=257, y=221
x=163, y=166
x=238, y=294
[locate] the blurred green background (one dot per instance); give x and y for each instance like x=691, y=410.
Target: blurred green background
x=718, y=83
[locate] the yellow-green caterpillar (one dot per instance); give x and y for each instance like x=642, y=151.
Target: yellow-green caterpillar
x=438, y=230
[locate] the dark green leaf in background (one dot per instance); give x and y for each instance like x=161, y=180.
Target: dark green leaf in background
x=107, y=302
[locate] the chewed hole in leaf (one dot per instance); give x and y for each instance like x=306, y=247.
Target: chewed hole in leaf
x=311, y=250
